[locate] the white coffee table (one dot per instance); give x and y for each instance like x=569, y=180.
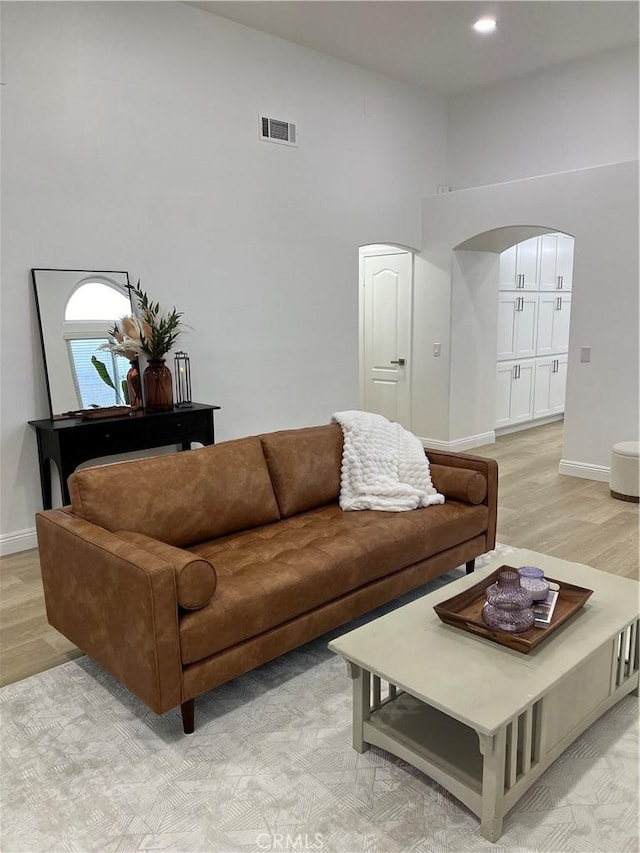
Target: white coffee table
x=480, y=719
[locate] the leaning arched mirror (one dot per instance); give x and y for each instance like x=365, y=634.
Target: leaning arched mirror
x=76, y=309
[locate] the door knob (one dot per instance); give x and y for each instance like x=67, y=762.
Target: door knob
x=400, y=361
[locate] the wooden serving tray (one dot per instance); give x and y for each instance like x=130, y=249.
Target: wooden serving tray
x=107, y=412
x=464, y=611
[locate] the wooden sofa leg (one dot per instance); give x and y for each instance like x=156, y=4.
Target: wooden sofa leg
x=188, y=716
x=470, y=566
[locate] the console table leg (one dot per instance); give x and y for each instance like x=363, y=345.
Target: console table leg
x=493, y=750
x=188, y=716
x=45, y=482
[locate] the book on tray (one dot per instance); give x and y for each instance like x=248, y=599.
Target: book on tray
x=543, y=610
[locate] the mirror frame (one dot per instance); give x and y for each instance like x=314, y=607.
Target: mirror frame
x=82, y=274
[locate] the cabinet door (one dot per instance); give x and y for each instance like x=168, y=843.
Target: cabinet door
x=561, y=320
x=522, y=392
x=558, y=383
x=541, y=388
x=554, y=316
x=526, y=322
x=550, y=383
x=527, y=264
x=564, y=262
x=548, y=255
x=507, y=305
x=546, y=309
x=507, y=279
x=504, y=374
x=517, y=324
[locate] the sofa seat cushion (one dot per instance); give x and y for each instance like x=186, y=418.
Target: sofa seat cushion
x=274, y=573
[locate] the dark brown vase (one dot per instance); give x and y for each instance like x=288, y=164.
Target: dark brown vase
x=134, y=385
x=158, y=386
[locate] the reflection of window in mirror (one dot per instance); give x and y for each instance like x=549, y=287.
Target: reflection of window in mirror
x=90, y=312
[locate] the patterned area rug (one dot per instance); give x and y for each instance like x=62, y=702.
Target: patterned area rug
x=86, y=767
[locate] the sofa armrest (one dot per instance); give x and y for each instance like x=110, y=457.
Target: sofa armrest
x=115, y=601
x=196, y=579
x=487, y=467
x=459, y=484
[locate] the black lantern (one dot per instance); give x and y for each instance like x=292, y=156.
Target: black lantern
x=182, y=369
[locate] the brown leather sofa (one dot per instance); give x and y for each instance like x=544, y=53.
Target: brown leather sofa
x=178, y=573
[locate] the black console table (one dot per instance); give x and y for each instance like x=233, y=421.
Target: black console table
x=71, y=441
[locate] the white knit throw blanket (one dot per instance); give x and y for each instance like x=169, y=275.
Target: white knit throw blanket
x=384, y=466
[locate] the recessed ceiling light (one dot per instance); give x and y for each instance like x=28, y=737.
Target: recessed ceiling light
x=485, y=25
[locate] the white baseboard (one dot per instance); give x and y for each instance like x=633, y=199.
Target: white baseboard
x=506, y=430
x=584, y=470
x=465, y=443
x=21, y=540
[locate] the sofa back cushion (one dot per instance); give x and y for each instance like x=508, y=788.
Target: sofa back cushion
x=305, y=466
x=183, y=498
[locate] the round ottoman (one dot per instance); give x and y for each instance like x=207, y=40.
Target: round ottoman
x=625, y=471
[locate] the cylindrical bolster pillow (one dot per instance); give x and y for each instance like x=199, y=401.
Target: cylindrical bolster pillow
x=459, y=484
x=196, y=579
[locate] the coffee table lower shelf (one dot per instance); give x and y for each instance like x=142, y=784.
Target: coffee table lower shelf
x=490, y=771
x=443, y=748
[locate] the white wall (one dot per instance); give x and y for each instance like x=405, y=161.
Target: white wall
x=431, y=324
x=130, y=141
x=569, y=116
x=557, y=127
x=599, y=207
x=474, y=331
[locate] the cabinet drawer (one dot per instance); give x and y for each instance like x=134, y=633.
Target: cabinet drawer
x=163, y=432
x=138, y=433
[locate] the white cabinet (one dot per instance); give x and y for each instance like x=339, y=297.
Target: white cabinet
x=554, y=312
x=514, y=392
x=517, y=323
x=534, y=309
x=556, y=262
x=550, y=385
x=519, y=266
x=564, y=262
x=508, y=280
x=548, y=261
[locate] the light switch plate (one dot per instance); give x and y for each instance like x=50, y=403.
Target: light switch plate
x=585, y=353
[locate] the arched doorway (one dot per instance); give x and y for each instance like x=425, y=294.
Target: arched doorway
x=510, y=308
x=602, y=395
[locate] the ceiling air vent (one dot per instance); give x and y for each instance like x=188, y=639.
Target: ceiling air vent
x=274, y=130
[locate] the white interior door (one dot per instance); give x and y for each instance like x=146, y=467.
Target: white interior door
x=387, y=285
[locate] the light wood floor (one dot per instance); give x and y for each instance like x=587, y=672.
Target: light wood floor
x=566, y=517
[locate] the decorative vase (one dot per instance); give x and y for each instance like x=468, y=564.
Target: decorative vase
x=158, y=386
x=508, y=606
x=533, y=581
x=134, y=385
